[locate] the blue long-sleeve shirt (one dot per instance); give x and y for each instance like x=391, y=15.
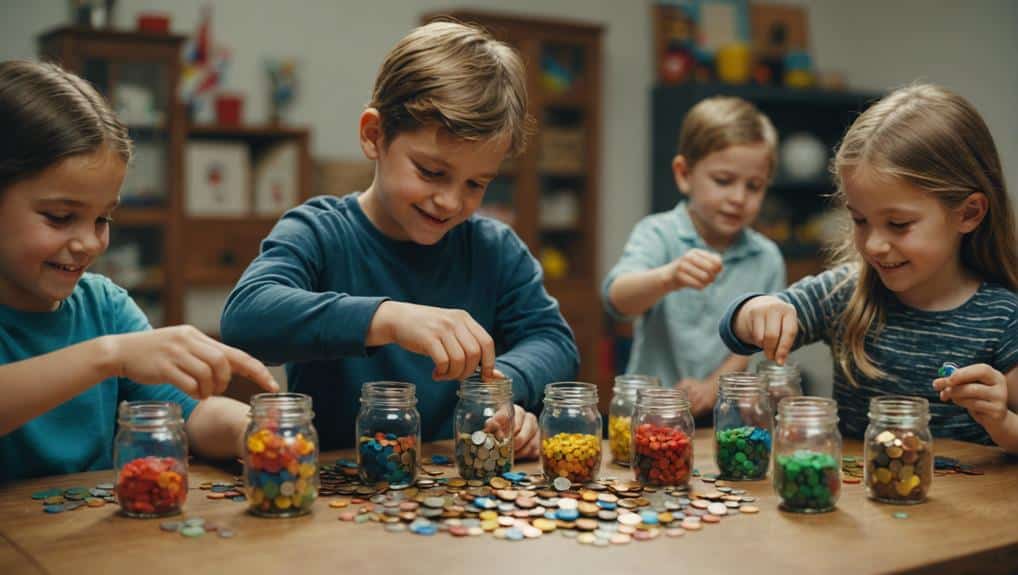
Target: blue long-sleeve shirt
x=308, y=300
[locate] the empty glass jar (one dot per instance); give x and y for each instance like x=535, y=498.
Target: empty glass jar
x=388, y=433
x=571, y=432
x=150, y=458
x=281, y=455
x=807, y=454
x=620, y=413
x=743, y=420
x=484, y=428
x=782, y=380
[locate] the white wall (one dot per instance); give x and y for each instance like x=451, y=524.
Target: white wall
x=968, y=46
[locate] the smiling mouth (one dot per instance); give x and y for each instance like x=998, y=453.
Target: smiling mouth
x=894, y=266
x=432, y=218
x=66, y=268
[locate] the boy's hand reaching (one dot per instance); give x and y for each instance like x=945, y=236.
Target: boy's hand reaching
x=695, y=269
x=450, y=337
x=770, y=324
x=186, y=358
x=978, y=388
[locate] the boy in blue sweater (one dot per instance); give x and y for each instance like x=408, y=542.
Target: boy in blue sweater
x=403, y=282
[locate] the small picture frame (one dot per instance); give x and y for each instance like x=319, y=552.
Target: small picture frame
x=218, y=175
x=276, y=179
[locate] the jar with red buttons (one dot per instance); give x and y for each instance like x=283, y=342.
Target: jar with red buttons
x=662, y=437
x=150, y=458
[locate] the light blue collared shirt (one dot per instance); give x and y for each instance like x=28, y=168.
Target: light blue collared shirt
x=678, y=337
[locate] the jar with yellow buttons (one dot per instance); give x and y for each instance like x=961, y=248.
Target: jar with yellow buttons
x=281, y=455
x=571, y=432
x=620, y=413
x=898, y=450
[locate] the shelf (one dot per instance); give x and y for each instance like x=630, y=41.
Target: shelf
x=131, y=216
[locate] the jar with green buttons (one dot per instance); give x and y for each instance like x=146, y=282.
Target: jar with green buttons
x=620, y=413
x=807, y=454
x=388, y=429
x=570, y=432
x=281, y=455
x=898, y=450
x=743, y=419
x=483, y=428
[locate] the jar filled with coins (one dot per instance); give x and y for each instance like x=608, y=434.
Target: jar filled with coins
x=620, y=413
x=483, y=427
x=807, y=454
x=150, y=458
x=281, y=455
x=898, y=450
x=388, y=434
x=662, y=437
x=743, y=419
x=571, y=432
x=782, y=380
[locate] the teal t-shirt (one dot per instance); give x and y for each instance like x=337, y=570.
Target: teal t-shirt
x=77, y=435
x=678, y=337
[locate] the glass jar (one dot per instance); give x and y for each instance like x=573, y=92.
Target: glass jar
x=807, y=454
x=620, y=413
x=662, y=437
x=281, y=455
x=898, y=450
x=483, y=427
x=782, y=380
x=571, y=432
x=743, y=420
x=388, y=434
x=150, y=458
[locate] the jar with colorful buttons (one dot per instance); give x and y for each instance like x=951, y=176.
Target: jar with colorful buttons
x=662, y=437
x=571, y=432
x=898, y=450
x=743, y=419
x=807, y=454
x=281, y=455
x=150, y=458
x=782, y=380
x=620, y=413
x=483, y=427
x=388, y=434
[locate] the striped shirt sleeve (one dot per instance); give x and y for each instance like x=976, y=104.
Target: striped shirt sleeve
x=818, y=302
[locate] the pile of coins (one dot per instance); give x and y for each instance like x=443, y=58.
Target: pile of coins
x=899, y=467
x=663, y=455
x=196, y=527
x=620, y=438
x=58, y=500
x=388, y=458
x=743, y=452
x=851, y=469
x=517, y=506
x=480, y=455
x=152, y=486
x=221, y=490
x=279, y=472
x=575, y=456
x=807, y=481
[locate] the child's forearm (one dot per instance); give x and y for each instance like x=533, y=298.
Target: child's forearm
x=635, y=292
x=33, y=386
x=216, y=428
x=1005, y=432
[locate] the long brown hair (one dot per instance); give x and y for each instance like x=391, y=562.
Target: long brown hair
x=47, y=115
x=935, y=140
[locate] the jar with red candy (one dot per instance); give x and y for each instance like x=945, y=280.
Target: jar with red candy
x=150, y=458
x=662, y=437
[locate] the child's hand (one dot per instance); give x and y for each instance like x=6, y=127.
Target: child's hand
x=450, y=337
x=527, y=442
x=978, y=388
x=187, y=359
x=770, y=324
x=694, y=269
x=701, y=395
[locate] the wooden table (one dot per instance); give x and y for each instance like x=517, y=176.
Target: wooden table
x=970, y=523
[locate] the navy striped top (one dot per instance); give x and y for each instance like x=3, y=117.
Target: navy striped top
x=910, y=348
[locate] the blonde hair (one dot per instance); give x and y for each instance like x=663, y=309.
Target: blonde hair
x=458, y=77
x=935, y=140
x=719, y=122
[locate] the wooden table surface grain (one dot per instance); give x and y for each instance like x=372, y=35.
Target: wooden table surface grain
x=968, y=525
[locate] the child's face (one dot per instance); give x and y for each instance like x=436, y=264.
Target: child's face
x=428, y=182
x=56, y=224
x=908, y=236
x=725, y=190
